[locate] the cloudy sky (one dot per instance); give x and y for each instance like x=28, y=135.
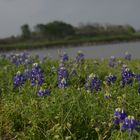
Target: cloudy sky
x=14, y=13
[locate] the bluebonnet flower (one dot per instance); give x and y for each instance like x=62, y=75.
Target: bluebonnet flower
x=13, y=59
x=80, y=57
x=62, y=83
x=36, y=75
x=126, y=122
x=138, y=89
x=112, y=61
x=27, y=74
x=111, y=79
x=62, y=76
x=127, y=56
x=43, y=92
x=64, y=57
x=129, y=124
x=18, y=79
x=93, y=83
x=119, y=115
x=138, y=79
x=127, y=76
x=19, y=59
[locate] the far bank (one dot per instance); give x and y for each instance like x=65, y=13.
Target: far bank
x=36, y=44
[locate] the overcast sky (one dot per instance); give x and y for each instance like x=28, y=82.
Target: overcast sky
x=14, y=13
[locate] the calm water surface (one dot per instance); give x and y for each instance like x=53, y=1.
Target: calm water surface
x=96, y=51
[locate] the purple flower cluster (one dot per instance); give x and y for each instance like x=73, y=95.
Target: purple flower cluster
x=112, y=61
x=43, y=92
x=18, y=59
x=129, y=124
x=62, y=76
x=36, y=75
x=126, y=122
x=18, y=79
x=111, y=79
x=27, y=74
x=93, y=83
x=127, y=76
x=138, y=79
x=64, y=57
x=119, y=115
x=127, y=56
x=80, y=57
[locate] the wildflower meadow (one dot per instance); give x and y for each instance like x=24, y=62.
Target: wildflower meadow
x=70, y=98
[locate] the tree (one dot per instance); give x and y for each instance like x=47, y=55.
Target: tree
x=41, y=29
x=26, y=33
x=60, y=29
x=129, y=29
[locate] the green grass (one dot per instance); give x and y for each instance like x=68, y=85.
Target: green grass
x=67, y=114
x=33, y=44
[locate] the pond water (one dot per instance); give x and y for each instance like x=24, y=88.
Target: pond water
x=95, y=51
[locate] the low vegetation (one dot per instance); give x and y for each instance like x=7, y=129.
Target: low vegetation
x=70, y=98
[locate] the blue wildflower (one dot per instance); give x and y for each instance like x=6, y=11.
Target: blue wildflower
x=112, y=61
x=126, y=122
x=64, y=57
x=19, y=59
x=111, y=79
x=138, y=89
x=129, y=124
x=43, y=92
x=36, y=75
x=80, y=57
x=119, y=115
x=93, y=83
x=18, y=79
x=27, y=74
x=127, y=76
x=138, y=79
x=62, y=77
x=62, y=83
x=127, y=56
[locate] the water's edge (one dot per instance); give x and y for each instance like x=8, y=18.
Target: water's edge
x=90, y=50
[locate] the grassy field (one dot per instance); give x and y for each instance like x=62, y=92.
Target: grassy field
x=64, y=100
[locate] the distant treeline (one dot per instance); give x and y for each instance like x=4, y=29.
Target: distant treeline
x=61, y=30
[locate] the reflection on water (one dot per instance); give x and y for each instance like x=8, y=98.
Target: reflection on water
x=96, y=51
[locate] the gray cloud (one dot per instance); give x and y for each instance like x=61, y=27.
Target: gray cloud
x=14, y=13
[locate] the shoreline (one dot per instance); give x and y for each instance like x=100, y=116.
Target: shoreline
x=96, y=51
x=61, y=44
